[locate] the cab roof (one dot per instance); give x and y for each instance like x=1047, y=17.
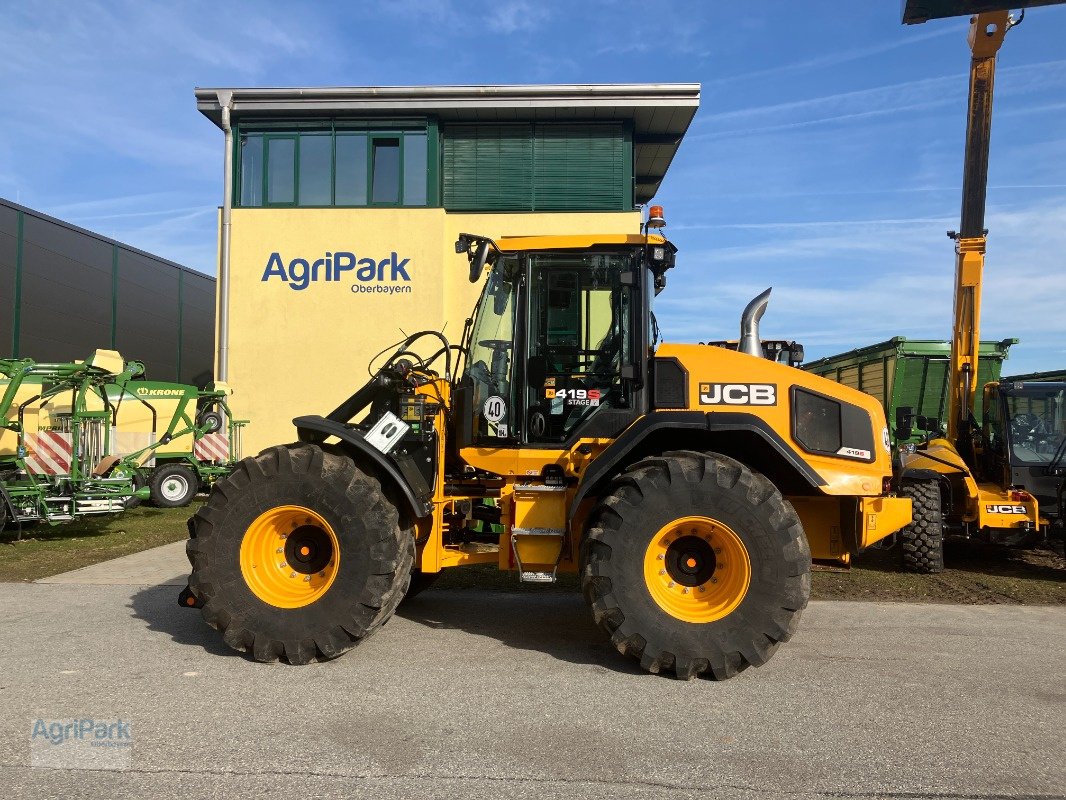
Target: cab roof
x=514, y=244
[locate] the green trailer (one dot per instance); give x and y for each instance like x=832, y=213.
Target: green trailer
x=910, y=373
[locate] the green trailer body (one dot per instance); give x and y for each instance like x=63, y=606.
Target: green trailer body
x=908, y=373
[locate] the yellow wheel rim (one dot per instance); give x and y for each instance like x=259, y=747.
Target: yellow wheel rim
x=289, y=556
x=697, y=569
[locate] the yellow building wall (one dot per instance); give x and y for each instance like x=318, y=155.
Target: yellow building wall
x=303, y=351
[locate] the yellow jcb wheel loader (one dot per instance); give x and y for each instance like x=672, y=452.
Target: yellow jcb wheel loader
x=688, y=486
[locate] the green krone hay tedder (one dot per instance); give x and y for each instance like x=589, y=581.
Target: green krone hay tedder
x=95, y=437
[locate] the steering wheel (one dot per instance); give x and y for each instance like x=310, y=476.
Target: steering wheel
x=500, y=349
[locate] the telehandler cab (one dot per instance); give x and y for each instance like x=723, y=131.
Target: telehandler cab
x=688, y=486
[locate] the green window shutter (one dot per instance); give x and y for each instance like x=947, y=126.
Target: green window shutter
x=579, y=168
x=487, y=167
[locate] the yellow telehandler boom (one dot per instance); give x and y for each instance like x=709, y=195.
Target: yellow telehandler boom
x=951, y=479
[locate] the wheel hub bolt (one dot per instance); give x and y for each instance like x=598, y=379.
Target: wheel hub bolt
x=660, y=556
x=703, y=588
x=307, y=578
x=714, y=580
x=671, y=584
x=292, y=574
x=662, y=572
x=684, y=591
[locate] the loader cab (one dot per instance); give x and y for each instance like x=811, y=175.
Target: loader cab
x=1025, y=428
x=559, y=342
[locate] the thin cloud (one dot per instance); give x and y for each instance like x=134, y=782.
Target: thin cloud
x=906, y=96
x=516, y=15
x=840, y=57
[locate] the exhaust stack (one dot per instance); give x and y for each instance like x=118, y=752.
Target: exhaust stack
x=750, y=342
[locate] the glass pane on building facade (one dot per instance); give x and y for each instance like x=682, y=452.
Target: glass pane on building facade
x=414, y=169
x=251, y=171
x=350, y=169
x=316, y=170
x=281, y=170
x=386, y=171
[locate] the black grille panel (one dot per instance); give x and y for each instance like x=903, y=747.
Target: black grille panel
x=669, y=383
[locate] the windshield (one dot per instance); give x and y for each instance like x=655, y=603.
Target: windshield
x=1037, y=419
x=490, y=361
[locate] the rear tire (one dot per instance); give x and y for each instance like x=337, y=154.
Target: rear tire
x=332, y=604
x=710, y=617
x=922, y=542
x=173, y=486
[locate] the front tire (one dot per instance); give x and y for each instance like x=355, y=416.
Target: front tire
x=298, y=554
x=922, y=542
x=695, y=564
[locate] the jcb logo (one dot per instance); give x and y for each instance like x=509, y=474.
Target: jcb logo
x=738, y=394
x=1005, y=509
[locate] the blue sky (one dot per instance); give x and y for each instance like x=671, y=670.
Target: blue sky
x=825, y=160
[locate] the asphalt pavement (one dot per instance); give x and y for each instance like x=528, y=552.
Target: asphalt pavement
x=478, y=694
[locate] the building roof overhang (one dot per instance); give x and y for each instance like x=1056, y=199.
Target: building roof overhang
x=660, y=113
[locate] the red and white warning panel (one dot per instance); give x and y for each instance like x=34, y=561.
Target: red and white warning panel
x=212, y=447
x=49, y=452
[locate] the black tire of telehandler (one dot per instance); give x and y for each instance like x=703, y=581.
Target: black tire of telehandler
x=186, y=477
x=921, y=543
x=376, y=555
x=649, y=495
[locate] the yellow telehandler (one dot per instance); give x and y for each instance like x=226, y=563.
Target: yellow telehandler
x=974, y=481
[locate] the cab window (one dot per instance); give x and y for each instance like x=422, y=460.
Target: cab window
x=579, y=338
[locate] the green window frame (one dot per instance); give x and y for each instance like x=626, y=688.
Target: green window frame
x=257, y=175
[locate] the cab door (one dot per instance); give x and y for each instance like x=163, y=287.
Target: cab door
x=580, y=339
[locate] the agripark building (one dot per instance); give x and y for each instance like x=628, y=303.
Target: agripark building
x=66, y=291
x=344, y=205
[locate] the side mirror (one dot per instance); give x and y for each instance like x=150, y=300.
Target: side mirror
x=904, y=422
x=479, y=260
x=797, y=354
x=931, y=425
